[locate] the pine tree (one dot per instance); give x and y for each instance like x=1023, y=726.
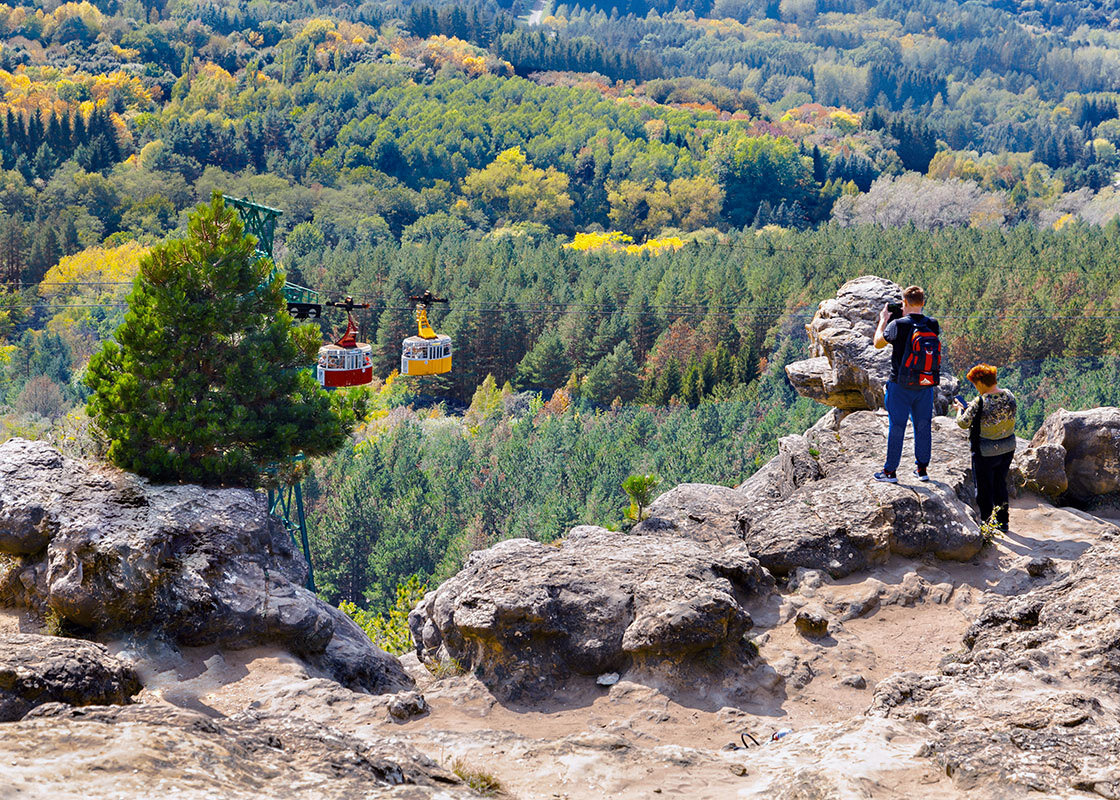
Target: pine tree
x=45, y=252
x=13, y=255
x=205, y=381
x=669, y=382
x=546, y=366
x=692, y=385
x=615, y=375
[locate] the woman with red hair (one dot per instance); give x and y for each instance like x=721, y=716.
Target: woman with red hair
x=990, y=419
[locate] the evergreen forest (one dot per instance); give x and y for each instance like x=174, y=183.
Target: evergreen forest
x=634, y=208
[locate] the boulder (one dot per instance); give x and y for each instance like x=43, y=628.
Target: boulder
x=811, y=622
x=1042, y=470
x=524, y=615
x=1027, y=706
x=700, y=512
x=155, y=749
x=110, y=553
x=49, y=669
x=1076, y=453
x=844, y=369
x=816, y=505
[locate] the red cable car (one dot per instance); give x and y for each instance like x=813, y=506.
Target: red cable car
x=347, y=362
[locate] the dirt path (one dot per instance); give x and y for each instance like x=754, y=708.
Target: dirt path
x=631, y=741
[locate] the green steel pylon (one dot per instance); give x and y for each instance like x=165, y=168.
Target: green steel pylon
x=283, y=501
x=286, y=499
x=260, y=221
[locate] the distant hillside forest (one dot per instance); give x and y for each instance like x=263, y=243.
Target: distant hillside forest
x=634, y=208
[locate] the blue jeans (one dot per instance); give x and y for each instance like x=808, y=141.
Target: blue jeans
x=914, y=404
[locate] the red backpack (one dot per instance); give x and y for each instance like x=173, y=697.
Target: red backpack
x=921, y=360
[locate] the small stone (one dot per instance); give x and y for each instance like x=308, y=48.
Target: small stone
x=407, y=705
x=608, y=679
x=855, y=681
x=806, y=582
x=1037, y=567
x=811, y=623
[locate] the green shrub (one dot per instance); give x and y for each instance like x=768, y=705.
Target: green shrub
x=390, y=631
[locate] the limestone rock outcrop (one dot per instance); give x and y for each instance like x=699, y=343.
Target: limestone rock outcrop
x=155, y=749
x=1041, y=469
x=35, y=670
x=109, y=553
x=816, y=506
x=1029, y=706
x=1075, y=454
x=672, y=593
x=844, y=369
x=524, y=615
x=697, y=511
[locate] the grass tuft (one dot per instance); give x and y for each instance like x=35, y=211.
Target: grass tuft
x=445, y=668
x=485, y=783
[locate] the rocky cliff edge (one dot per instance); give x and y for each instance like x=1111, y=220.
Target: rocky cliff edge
x=107, y=554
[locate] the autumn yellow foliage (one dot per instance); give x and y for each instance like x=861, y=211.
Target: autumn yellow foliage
x=42, y=90
x=655, y=246
x=620, y=242
x=1062, y=221
x=613, y=240
x=437, y=51
x=80, y=283
x=100, y=270
x=845, y=120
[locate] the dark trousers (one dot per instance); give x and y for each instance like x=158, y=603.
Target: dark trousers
x=905, y=405
x=991, y=486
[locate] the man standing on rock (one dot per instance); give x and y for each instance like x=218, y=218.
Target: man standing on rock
x=915, y=374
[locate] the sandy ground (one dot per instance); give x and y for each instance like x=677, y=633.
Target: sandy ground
x=15, y=621
x=632, y=741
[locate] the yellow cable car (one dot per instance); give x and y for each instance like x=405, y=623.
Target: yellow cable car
x=427, y=353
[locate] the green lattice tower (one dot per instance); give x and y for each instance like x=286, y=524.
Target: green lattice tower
x=285, y=500
x=260, y=221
